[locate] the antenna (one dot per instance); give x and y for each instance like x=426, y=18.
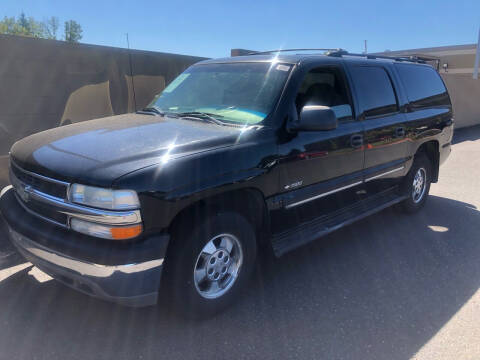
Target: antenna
x=131, y=73
x=365, y=47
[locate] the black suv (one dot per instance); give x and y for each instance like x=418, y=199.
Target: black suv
x=263, y=151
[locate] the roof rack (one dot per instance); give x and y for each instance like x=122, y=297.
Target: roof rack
x=291, y=50
x=342, y=52
x=416, y=59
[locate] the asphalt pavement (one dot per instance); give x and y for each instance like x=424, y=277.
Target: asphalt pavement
x=392, y=286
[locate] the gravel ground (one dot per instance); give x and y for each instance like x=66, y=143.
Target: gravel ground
x=389, y=287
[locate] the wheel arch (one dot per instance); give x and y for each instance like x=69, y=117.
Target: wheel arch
x=431, y=150
x=249, y=202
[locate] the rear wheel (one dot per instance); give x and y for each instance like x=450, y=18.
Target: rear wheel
x=208, y=266
x=416, y=184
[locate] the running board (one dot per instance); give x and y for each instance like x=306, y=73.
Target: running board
x=304, y=233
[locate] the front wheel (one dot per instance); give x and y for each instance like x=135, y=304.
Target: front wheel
x=416, y=184
x=208, y=265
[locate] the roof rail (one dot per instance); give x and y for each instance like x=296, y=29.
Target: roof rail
x=416, y=59
x=290, y=50
x=342, y=52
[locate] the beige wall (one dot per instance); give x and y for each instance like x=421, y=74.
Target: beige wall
x=465, y=94
x=47, y=83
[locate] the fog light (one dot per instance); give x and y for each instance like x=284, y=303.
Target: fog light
x=106, y=231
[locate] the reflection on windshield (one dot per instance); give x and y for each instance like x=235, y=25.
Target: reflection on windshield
x=242, y=93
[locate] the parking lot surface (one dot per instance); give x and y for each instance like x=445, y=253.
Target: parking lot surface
x=392, y=286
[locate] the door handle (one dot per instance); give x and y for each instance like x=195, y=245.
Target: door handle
x=400, y=132
x=356, y=141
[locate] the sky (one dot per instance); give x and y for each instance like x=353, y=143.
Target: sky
x=211, y=28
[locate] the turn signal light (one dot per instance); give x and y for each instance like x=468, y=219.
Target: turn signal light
x=121, y=233
x=106, y=231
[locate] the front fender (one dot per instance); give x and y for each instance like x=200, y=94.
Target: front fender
x=165, y=190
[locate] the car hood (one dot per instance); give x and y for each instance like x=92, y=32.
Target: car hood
x=97, y=152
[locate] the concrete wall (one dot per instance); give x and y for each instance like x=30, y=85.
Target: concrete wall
x=47, y=83
x=463, y=89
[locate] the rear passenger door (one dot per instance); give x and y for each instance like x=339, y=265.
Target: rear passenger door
x=384, y=125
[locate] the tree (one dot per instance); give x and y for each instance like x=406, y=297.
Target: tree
x=47, y=29
x=8, y=25
x=51, y=27
x=24, y=24
x=36, y=29
x=73, y=31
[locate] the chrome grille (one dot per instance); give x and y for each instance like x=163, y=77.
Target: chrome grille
x=24, y=182
x=41, y=183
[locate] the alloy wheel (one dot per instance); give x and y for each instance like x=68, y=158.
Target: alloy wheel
x=419, y=185
x=217, y=266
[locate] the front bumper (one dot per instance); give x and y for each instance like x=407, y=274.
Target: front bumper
x=127, y=273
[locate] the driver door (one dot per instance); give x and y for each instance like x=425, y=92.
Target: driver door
x=320, y=171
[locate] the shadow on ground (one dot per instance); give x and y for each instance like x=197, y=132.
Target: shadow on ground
x=379, y=289
x=471, y=133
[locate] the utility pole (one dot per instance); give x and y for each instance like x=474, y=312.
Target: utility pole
x=131, y=73
x=365, y=46
x=477, y=58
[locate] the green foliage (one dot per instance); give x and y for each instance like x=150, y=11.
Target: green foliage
x=51, y=27
x=73, y=31
x=47, y=29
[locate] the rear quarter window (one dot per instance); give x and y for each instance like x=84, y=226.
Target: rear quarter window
x=423, y=84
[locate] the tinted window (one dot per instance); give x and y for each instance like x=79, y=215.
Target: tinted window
x=375, y=91
x=325, y=86
x=423, y=84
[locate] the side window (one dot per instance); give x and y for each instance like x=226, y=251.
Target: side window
x=325, y=86
x=423, y=85
x=375, y=92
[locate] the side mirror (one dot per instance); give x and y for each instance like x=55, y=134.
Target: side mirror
x=316, y=118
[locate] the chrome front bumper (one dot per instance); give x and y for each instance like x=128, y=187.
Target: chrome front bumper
x=118, y=283
x=129, y=275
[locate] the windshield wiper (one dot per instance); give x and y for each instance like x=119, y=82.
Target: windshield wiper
x=151, y=110
x=156, y=111
x=202, y=116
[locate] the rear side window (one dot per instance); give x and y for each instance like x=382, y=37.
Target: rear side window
x=423, y=84
x=375, y=92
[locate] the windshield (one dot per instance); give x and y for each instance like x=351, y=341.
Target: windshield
x=243, y=93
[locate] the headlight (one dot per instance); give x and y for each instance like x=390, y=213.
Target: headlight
x=104, y=198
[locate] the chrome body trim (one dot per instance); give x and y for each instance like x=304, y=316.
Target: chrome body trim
x=343, y=188
x=90, y=214
x=41, y=177
x=383, y=174
x=5, y=189
x=37, y=214
x=323, y=194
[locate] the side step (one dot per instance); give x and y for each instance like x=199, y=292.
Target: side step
x=309, y=231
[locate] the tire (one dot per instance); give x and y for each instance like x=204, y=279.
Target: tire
x=417, y=194
x=234, y=248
